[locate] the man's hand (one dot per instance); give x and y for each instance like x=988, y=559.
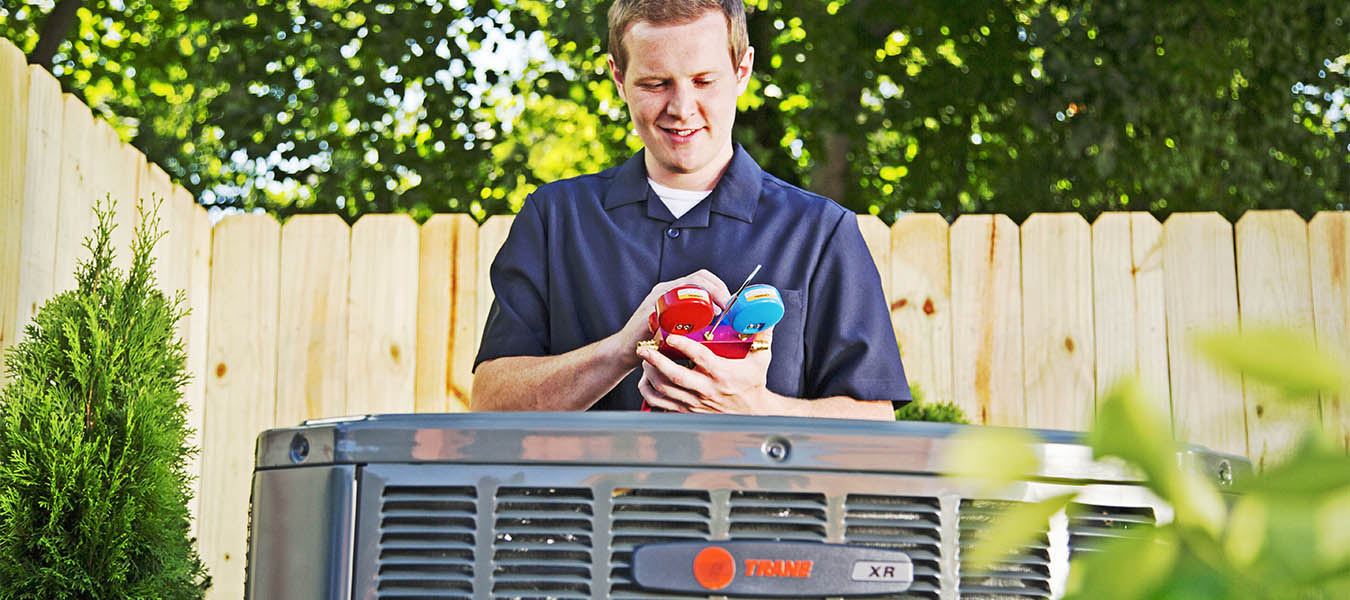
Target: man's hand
x=714, y=385
x=637, y=328
x=725, y=385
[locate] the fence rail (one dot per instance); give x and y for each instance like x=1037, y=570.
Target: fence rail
x=1021, y=326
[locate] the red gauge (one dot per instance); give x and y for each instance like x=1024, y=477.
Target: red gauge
x=685, y=309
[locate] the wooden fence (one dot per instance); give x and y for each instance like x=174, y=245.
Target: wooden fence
x=1021, y=326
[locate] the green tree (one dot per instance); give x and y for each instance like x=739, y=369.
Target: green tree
x=93, y=439
x=888, y=106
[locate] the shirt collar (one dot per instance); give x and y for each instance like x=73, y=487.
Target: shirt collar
x=736, y=194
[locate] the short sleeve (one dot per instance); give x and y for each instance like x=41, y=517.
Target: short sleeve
x=517, y=324
x=851, y=348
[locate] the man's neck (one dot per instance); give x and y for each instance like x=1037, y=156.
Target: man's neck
x=702, y=180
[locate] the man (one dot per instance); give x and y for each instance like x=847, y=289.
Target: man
x=587, y=257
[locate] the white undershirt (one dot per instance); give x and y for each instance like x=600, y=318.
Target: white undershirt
x=678, y=201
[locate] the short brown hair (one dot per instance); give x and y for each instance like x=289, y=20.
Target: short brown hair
x=623, y=14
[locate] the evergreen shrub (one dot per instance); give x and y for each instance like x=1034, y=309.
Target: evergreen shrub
x=93, y=438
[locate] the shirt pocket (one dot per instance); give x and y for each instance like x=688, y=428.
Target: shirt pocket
x=786, y=370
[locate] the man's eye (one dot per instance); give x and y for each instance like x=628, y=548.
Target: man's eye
x=652, y=85
x=703, y=82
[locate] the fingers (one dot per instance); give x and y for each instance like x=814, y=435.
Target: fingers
x=656, y=399
x=702, y=278
x=706, y=361
x=703, y=357
x=671, y=373
x=659, y=391
x=716, y=288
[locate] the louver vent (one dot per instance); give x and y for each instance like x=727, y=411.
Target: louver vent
x=426, y=542
x=542, y=543
x=646, y=516
x=909, y=524
x=778, y=516
x=1090, y=525
x=1025, y=574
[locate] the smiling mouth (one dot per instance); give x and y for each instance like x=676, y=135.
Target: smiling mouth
x=682, y=133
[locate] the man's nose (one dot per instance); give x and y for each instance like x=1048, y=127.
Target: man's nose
x=682, y=102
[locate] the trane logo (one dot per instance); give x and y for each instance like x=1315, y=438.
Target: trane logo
x=715, y=568
x=772, y=569
x=755, y=567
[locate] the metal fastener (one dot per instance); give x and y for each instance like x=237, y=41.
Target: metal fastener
x=777, y=449
x=299, y=448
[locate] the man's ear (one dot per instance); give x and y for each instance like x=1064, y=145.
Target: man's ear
x=618, y=79
x=743, y=70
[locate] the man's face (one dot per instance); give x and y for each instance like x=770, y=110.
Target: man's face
x=681, y=89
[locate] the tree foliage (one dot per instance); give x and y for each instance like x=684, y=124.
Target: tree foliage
x=93, y=440
x=354, y=106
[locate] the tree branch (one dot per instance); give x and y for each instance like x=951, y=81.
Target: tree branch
x=54, y=31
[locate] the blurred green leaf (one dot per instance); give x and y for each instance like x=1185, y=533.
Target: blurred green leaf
x=1128, y=428
x=992, y=457
x=1287, y=360
x=1150, y=559
x=1333, y=536
x=1246, y=532
x=1012, y=529
x=1308, y=475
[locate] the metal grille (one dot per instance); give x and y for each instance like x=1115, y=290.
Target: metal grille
x=909, y=524
x=560, y=542
x=778, y=516
x=1091, y=525
x=542, y=543
x=1025, y=574
x=646, y=516
x=426, y=542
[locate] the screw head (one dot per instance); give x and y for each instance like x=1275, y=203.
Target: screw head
x=1225, y=474
x=299, y=448
x=777, y=449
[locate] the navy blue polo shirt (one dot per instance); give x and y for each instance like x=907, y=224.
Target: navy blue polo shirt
x=584, y=252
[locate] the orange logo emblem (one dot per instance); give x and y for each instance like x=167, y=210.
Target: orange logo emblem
x=714, y=568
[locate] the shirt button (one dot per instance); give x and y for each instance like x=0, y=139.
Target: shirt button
x=672, y=233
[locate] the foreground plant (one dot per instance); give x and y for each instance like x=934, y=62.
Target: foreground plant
x=93, y=439
x=1285, y=533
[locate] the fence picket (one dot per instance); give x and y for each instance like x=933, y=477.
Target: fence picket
x=173, y=264
x=382, y=332
x=240, y=388
x=1057, y=337
x=1274, y=289
x=446, y=309
x=42, y=224
x=198, y=248
x=877, y=236
x=1329, y=246
x=312, y=348
x=987, y=319
x=491, y=235
x=116, y=169
x=1201, y=280
x=78, y=185
x=13, y=137
x=1128, y=296
x=921, y=303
